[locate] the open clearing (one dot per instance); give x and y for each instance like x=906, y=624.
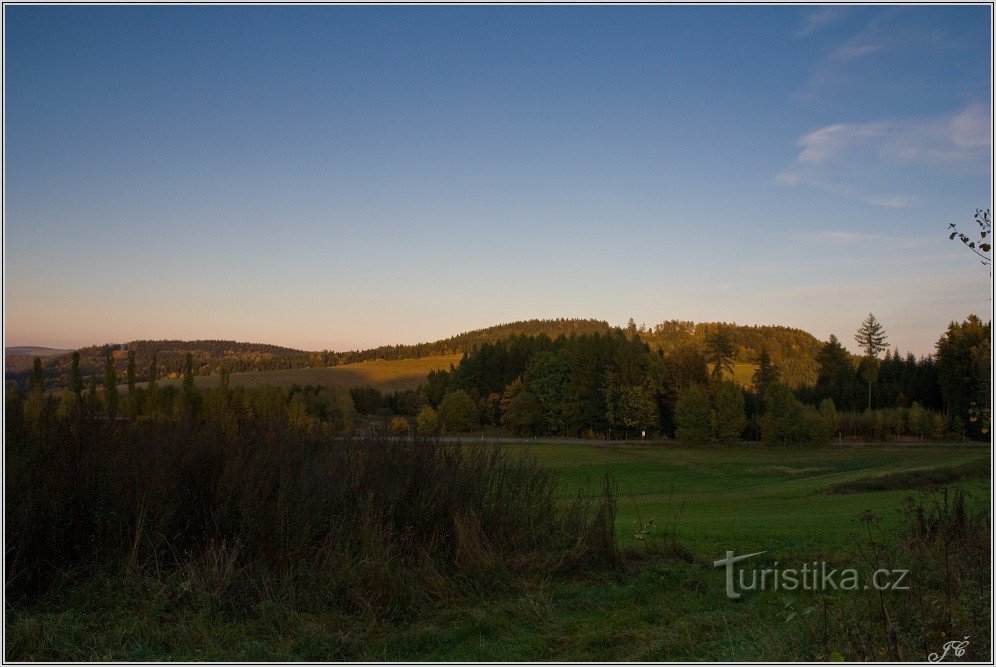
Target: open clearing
x=384, y=375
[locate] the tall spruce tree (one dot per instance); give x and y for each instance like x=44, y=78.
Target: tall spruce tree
x=132, y=397
x=37, y=382
x=766, y=374
x=75, y=376
x=870, y=336
x=110, y=387
x=188, y=374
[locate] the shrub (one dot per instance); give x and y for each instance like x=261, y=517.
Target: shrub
x=399, y=426
x=426, y=421
x=457, y=412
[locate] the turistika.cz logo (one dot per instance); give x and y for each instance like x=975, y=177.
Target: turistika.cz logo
x=815, y=576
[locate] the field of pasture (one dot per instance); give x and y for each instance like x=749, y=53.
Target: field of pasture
x=387, y=376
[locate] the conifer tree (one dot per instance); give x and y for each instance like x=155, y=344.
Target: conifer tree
x=75, y=378
x=110, y=387
x=870, y=336
x=132, y=397
x=766, y=374
x=188, y=375
x=719, y=352
x=37, y=383
x=151, y=394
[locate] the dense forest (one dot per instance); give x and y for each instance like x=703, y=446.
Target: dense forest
x=618, y=385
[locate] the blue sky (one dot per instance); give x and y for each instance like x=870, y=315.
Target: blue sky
x=345, y=177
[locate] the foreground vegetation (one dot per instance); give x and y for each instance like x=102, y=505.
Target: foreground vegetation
x=227, y=516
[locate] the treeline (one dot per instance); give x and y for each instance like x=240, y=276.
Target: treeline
x=610, y=381
x=615, y=385
x=208, y=357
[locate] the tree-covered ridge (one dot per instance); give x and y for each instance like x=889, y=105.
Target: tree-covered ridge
x=214, y=356
x=468, y=341
x=209, y=356
x=794, y=351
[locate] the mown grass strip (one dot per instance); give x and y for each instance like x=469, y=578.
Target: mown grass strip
x=912, y=479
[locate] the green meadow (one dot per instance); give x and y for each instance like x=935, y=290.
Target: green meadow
x=667, y=602
x=748, y=497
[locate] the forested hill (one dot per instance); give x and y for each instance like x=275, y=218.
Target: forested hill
x=469, y=340
x=792, y=349
x=212, y=356
x=208, y=356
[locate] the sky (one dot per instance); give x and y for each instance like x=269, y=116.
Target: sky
x=347, y=177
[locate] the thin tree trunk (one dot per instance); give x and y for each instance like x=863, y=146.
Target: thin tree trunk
x=869, y=395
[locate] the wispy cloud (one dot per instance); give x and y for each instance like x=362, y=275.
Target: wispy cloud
x=867, y=50
x=817, y=20
x=854, y=50
x=887, y=201
x=856, y=159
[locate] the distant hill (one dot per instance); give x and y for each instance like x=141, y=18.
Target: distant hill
x=467, y=341
x=209, y=356
x=21, y=359
x=33, y=351
x=793, y=350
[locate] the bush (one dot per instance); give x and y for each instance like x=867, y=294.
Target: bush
x=426, y=421
x=457, y=412
x=831, y=419
x=399, y=426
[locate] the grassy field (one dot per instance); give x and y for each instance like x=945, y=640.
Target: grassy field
x=748, y=498
x=384, y=375
x=743, y=498
x=743, y=374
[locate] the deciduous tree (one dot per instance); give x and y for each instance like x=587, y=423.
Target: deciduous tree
x=692, y=415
